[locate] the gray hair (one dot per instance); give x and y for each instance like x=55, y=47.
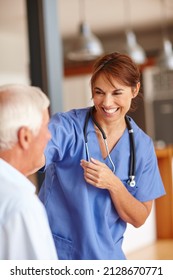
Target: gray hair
x=20, y=105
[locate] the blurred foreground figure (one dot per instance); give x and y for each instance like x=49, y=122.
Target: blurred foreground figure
x=24, y=228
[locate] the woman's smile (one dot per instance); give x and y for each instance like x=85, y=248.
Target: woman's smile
x=111, y=111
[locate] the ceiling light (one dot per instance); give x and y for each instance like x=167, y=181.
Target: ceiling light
x=165, y=59
x=87, y=46
x=134, y=50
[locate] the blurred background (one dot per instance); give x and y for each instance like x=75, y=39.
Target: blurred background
x=54, y=43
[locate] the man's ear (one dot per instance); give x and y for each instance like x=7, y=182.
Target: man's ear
x=25, y=137
x=136, y=89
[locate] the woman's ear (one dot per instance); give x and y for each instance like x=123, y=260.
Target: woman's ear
x=136, y=89
x=24, y=137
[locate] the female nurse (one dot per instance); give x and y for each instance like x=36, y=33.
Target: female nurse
x=86, y=190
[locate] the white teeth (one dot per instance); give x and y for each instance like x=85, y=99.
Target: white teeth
x=110, y=111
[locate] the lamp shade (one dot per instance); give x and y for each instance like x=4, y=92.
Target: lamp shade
x=87, y=46
x=134, y=50
x=165, y=60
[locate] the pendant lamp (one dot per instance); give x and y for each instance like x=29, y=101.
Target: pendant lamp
x=165, y=59
x=87, y=46
x=133, y=49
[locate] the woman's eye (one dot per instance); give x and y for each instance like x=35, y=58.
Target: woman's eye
x=98, y=92
x=117, y=92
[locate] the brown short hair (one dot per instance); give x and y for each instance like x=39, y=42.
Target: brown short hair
x=118, y=66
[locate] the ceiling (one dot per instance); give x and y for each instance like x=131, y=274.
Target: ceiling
x=104, y=16
x=119, y=14
x=113, y=15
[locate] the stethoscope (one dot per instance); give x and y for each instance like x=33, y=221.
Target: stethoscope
x=132, y=165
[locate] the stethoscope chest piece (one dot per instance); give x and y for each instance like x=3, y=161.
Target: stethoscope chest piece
x=131, y=182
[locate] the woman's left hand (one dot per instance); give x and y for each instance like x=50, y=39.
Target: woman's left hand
x=98, y=174
x=128, y=207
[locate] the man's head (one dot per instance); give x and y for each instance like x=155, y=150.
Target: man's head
x=23, y=126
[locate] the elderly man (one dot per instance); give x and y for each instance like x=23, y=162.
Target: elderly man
x=24, y=228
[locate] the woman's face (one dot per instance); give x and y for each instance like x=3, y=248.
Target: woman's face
x=112, y=101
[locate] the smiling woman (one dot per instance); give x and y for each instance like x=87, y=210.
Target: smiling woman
x=88, y=215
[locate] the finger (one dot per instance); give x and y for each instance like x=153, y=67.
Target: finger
x=93, y=161
x=89, y=165
x=90, y=173
x=91, y=179
x=97, y=162
x=83, y=162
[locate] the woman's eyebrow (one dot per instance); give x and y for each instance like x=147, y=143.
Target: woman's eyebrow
x=97, y=88
x=115, y=90
x=118, y=89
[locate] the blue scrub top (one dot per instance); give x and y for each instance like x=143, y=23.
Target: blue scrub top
x=83, y=220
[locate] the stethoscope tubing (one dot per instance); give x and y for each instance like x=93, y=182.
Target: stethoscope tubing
x=132, y=164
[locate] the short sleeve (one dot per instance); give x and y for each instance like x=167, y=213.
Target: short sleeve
x=150, y=185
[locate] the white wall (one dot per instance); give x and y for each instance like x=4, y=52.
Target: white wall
x=137, y=238
x=14, y=58
x=76, y=92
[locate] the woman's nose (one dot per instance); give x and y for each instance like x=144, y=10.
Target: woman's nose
x=107, y=100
